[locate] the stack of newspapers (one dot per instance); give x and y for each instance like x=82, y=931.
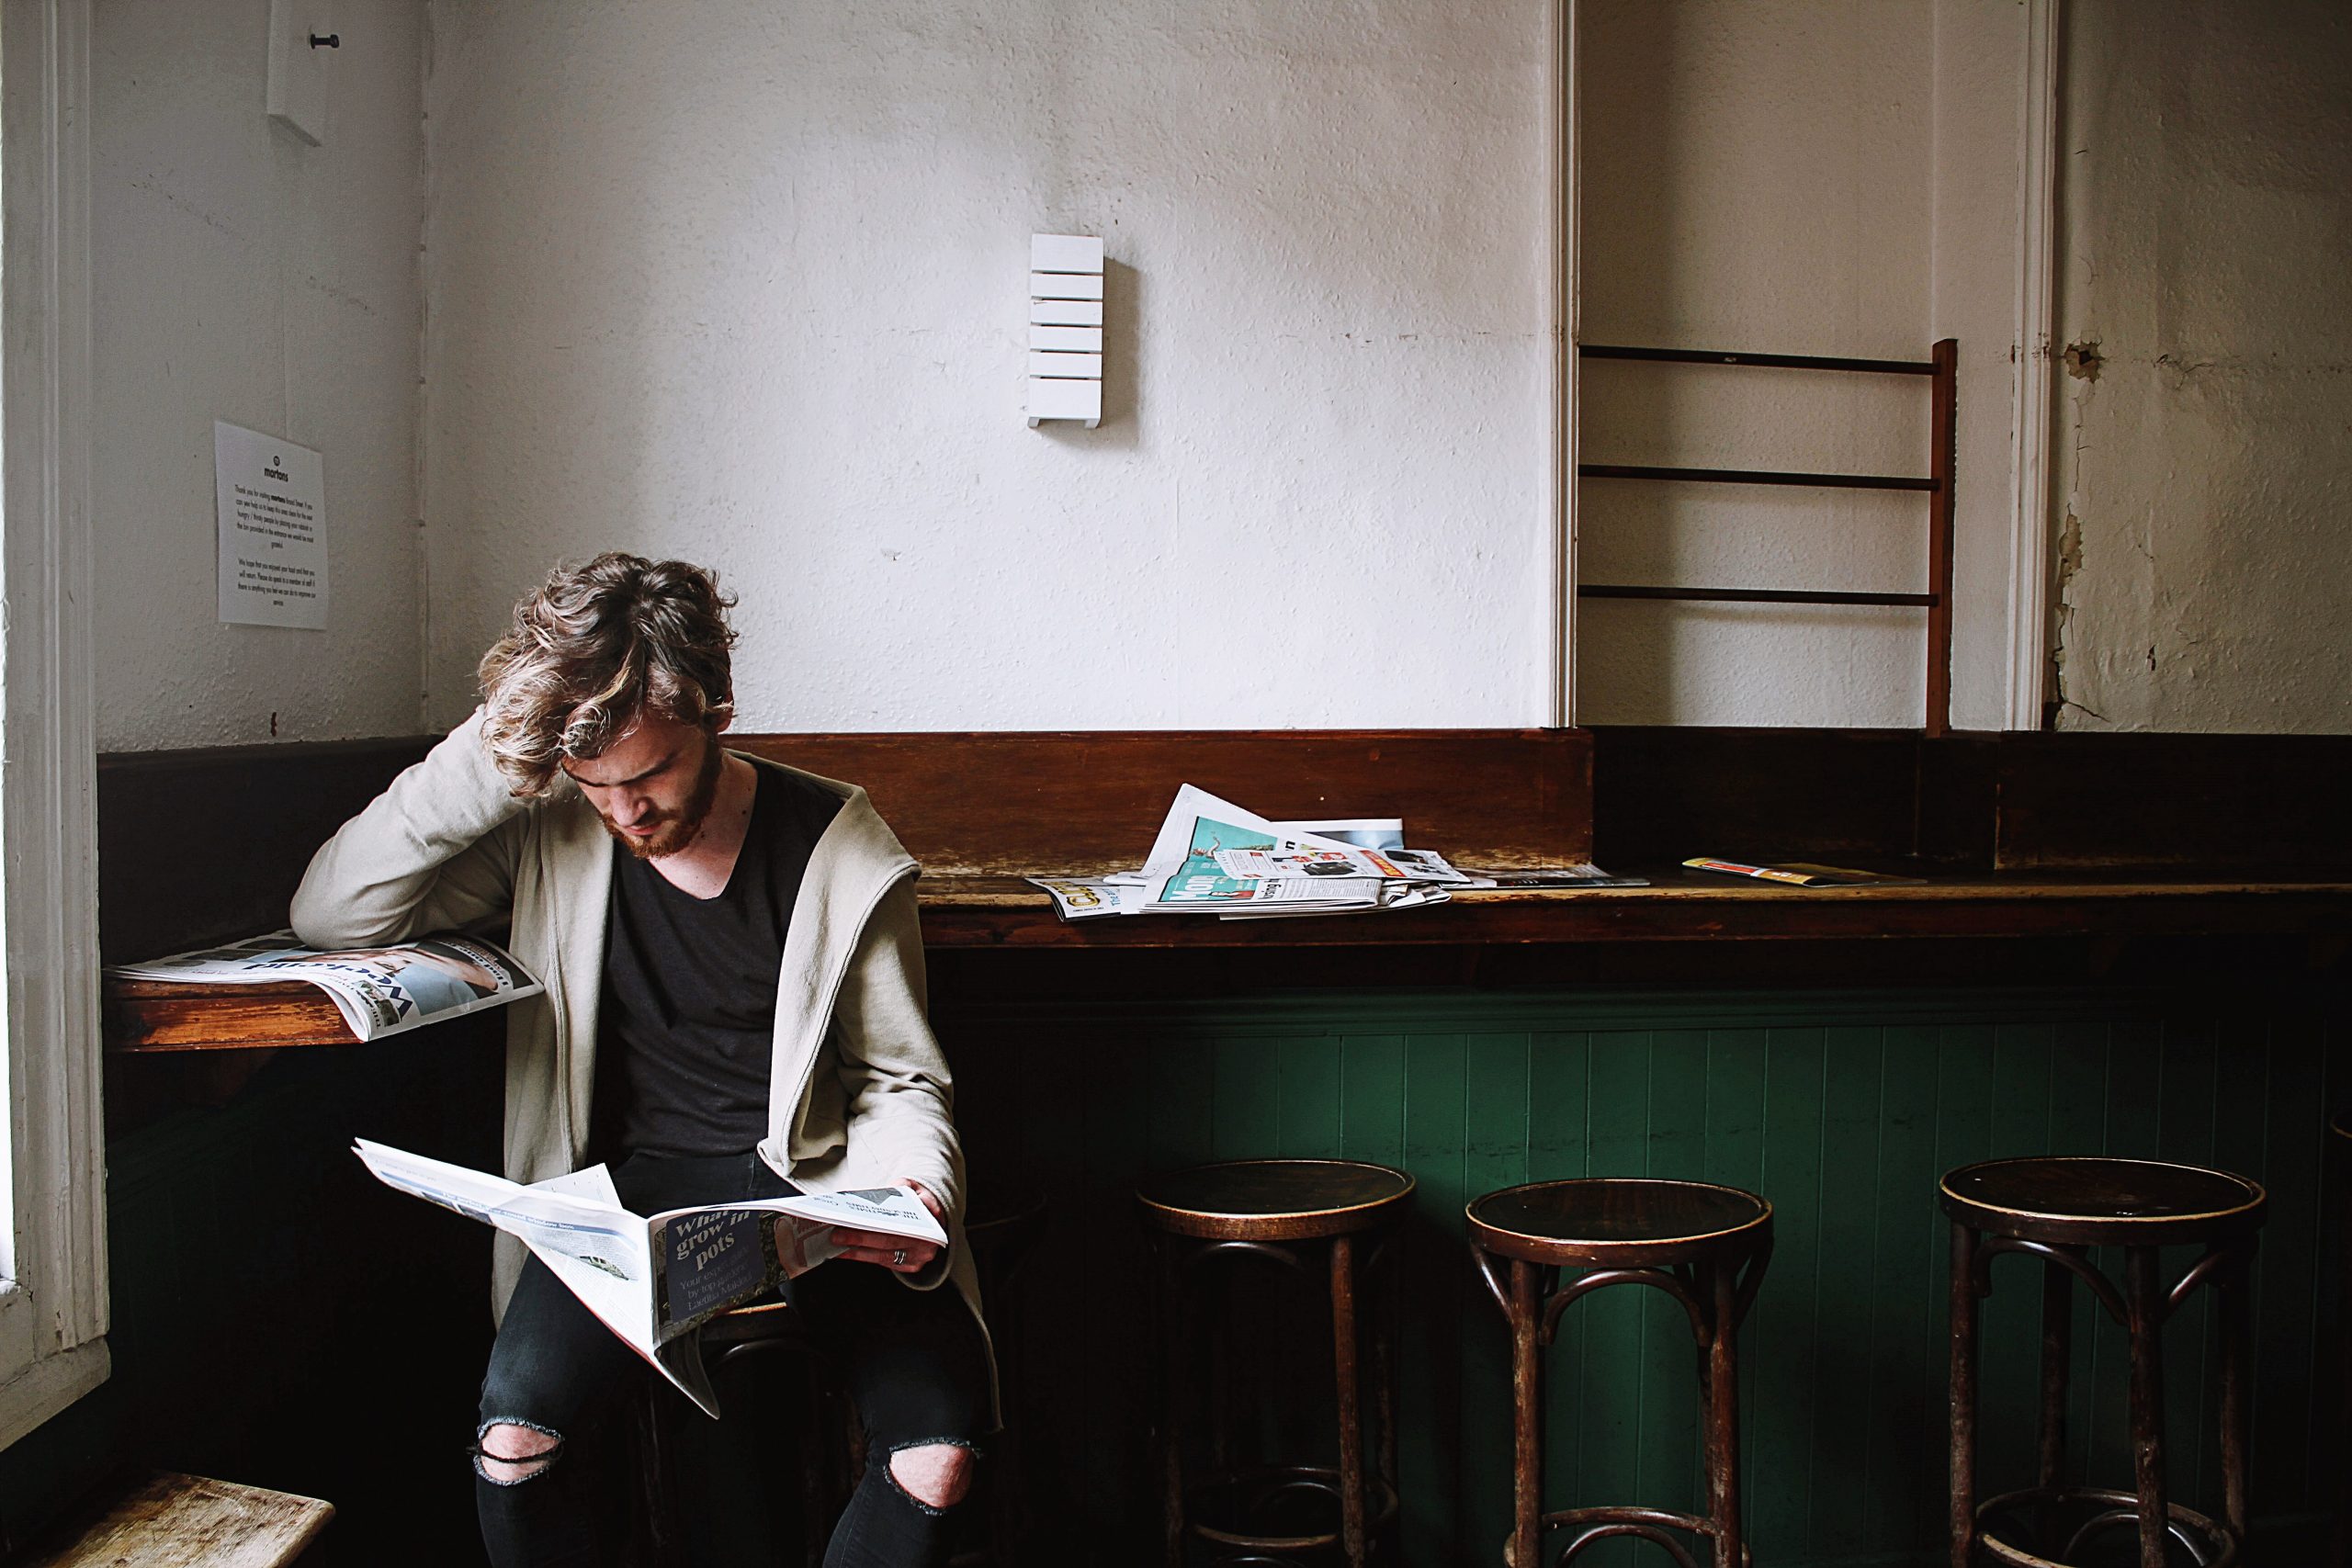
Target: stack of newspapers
x=1213, y=857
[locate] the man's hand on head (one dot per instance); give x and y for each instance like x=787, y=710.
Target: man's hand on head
x=899, y=1253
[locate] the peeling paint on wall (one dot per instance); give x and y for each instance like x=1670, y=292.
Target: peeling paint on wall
x=2206, y=563
x=2070, y=562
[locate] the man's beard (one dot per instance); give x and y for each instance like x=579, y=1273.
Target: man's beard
x=674, y=830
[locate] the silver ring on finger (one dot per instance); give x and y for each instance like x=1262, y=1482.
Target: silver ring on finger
x=899, y=1258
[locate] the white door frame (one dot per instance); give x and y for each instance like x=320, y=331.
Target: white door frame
x=53, y=1302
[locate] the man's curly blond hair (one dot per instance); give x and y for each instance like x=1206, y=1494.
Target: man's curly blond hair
x=595, y=649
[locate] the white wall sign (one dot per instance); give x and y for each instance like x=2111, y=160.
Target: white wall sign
x=273, y=502
x=1065, y=328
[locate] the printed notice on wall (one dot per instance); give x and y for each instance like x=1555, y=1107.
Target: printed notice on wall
x=273, y=502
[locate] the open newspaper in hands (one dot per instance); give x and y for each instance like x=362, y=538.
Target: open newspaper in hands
x=379, y=990
x=653, y=1280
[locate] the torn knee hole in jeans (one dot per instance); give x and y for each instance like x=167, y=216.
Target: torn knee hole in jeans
x=513, y=1469
x=958, y=1482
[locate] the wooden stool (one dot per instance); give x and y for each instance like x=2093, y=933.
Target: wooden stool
x=827, y=1425
x=1704, y=1245
x=999, y=1237
x=1285, y=1210
x=2056, y=1209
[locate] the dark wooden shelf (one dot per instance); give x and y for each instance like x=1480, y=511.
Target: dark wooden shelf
x=1690, y=907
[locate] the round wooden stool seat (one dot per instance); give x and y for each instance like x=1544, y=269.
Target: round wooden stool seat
x=742, y=1325
x=1274, y=1199
x=2090, y=1202
x=1625, y=1222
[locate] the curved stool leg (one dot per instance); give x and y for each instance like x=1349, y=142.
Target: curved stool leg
x=1723, y=1417
x=2343, y=1353
x=1344, y=1368
x=1388, y=1340
x=2145, y=1292
x=1963, y=1396
x=2057, y=1354
x=2057, y=1358
x=2238, y=1336
x=1527, y=1418
x=1169, y=1340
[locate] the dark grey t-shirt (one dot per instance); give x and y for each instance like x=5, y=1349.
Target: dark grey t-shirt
x=688, y=1025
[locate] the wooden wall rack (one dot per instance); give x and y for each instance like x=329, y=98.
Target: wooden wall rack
x=1941, y=368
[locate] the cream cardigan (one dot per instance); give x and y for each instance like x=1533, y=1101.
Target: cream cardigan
x=859, y=1094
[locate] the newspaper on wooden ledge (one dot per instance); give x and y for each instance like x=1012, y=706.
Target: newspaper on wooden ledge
x=379, y=990
x=655, y=1279
x=1211, y=856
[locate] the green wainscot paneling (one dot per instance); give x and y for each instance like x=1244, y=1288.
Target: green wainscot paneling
x=1842, y=1109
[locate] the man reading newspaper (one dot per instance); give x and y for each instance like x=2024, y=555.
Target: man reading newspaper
x=734, y=1011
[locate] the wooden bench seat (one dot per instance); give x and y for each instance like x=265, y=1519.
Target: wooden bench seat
x=182, y=1521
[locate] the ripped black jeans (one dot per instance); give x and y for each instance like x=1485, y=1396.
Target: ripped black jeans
x=916, y=1362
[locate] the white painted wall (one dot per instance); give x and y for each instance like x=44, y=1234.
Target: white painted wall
x=2206, y=471
x=749, y=289
x=241, y=274
x=1804, y=177
x=747, y=284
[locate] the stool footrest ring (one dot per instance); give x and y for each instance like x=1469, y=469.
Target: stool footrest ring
x=2210, y=1543
x=1597, y=1524
x=1257, y=1487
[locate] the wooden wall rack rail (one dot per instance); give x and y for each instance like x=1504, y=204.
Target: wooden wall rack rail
x=1941, y=368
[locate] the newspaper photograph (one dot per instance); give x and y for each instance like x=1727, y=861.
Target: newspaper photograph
x=654, y=1280
x=379, y=990
x=1183, y=871
x=1090, y=897
x=1383, y=833
x=1198, y=825
x=1428, y=865
x=1361, y=863
x=1393, y=896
